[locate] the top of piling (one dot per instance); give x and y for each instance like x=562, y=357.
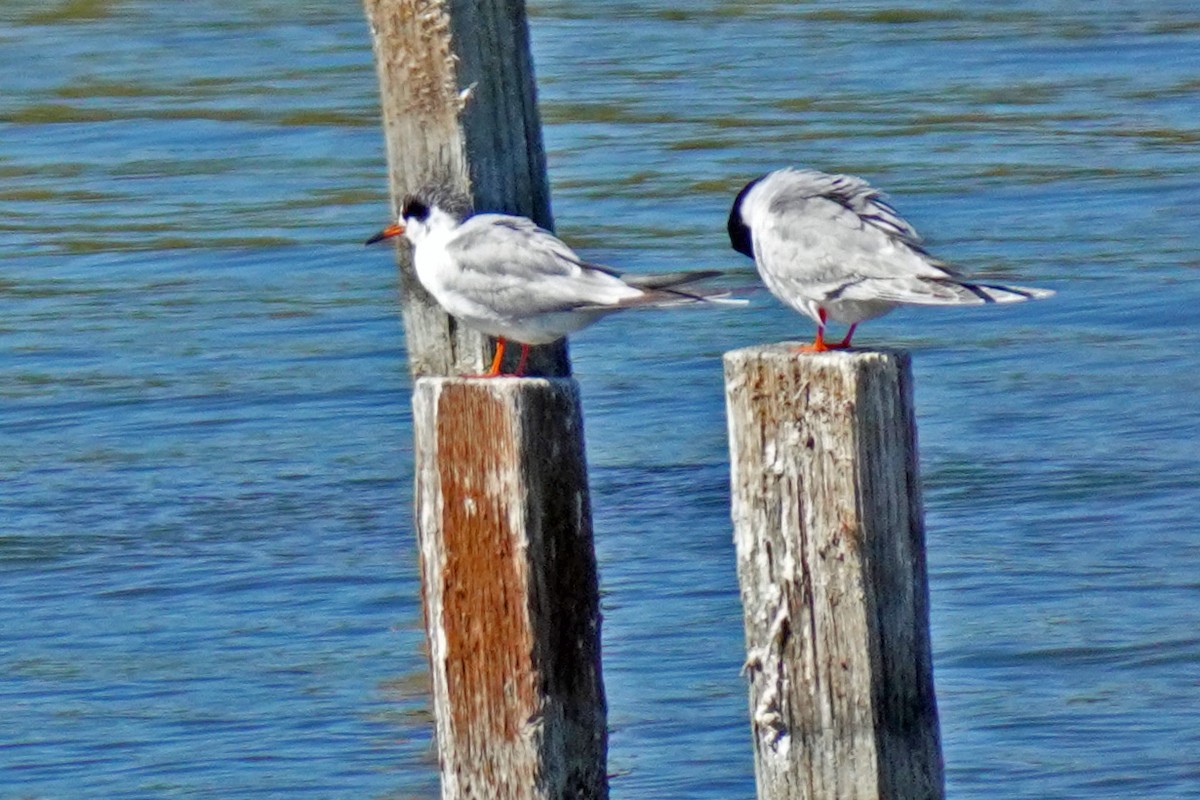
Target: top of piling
x=785, y=352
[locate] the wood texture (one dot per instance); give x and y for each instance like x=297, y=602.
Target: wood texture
x=831, y=560
x=510, y=585
x=461, y=125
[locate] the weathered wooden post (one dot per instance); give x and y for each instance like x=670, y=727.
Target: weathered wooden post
x=504, y=522
x=460, y=118
x=509, y=575
x=831, y=560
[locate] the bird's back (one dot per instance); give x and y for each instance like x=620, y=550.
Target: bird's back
x=507, y=277
x=833, y=244
x=817, y=237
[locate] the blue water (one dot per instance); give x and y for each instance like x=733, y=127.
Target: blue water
x=208, y=584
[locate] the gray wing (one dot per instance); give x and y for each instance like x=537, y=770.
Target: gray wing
x=509, y=263
x=821, y=235
x=857, y=196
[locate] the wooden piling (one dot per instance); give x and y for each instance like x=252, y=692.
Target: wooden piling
x=461, y=124
x=511, y=598
x=831, y=560
x=503, y=517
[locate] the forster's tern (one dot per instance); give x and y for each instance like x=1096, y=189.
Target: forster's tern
x=831, y=247
x=506, y=277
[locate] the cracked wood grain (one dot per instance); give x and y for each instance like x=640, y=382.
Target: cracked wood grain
x=829, y=534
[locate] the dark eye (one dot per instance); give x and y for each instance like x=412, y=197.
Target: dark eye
x=414, y=208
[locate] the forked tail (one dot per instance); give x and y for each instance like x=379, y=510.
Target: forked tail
x=662, y=289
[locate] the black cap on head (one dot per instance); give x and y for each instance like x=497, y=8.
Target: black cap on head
x=740, y=238
x=414, y=208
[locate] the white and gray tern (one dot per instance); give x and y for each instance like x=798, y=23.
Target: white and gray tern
x=506, y=277
x=831, y=247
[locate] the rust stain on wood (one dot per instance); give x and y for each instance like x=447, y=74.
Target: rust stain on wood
x=510, y=589
x=488, y=656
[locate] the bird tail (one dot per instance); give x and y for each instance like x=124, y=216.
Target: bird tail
x=998, y=293
x=936, y=292
x=662, y=289
x=669, y=280
x=720, y=297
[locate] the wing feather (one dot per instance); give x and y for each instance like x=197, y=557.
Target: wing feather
x=833, y=244
x=835, y=229
x=513, y=266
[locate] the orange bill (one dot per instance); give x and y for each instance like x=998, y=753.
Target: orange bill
x=387, y=233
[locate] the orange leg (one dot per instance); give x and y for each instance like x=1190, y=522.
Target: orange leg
x=494, y=370
x=498, y=359
x=819, y=344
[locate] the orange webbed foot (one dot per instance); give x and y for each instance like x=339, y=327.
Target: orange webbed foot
x=819, y=344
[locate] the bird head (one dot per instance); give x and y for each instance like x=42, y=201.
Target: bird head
x=416, y=217
x=740, y=237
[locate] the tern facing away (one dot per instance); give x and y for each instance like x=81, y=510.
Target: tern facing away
x=506, y=277
x=831, y=247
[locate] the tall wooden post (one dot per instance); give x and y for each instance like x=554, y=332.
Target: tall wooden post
x=511, y=598
x=504, y=522
x=461, y=123
x=831, y=560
